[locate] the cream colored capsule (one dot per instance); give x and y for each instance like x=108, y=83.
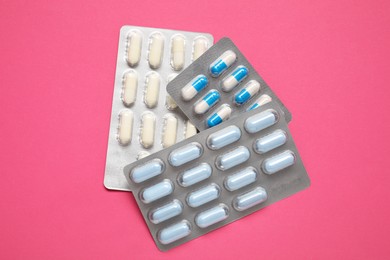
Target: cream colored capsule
x=200, y=46
x=130, y=85
x=125, y=127
x=170, y=131
x=170, y=103
x=177, y=52
x=134, y=47
x=152, y=89
x=190, y=130
x=147, y=129
x=156, y=50
x=142, y=154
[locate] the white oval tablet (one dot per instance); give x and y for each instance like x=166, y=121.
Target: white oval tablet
x=152, y=89
x=200, y=46
x=134, y=47
x=147, y=129
x=177, y=52
x=156, y=50
x=130, y=85
x=125, y=130
x=170, y=130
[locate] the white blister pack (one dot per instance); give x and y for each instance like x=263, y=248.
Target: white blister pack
x=144, y=118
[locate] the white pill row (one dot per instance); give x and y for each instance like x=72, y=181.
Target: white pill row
x=156, y=42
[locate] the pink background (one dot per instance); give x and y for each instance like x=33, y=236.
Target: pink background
x=327, y=60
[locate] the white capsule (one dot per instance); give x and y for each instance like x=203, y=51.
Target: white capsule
x=190, y=130
x=125, y=130
x=170, y=130
x=212, y=216
x=174, y=232
x=262, y=100
x=278, y=162
x=177, y=52
x=222, y=63
x=147, y=171
x=184, y=154
x=195, y=175
x=134, y=46
x=166, y=212
x=203, y=195
x=222, y=114
x=152, y=89
x=261, y=121
x=129, y=90
x=270, y=141
x=241, y=179
x=200, y=46
x=157, y=191
x=223, y=137
x=156, y=50
x=250, y=199
x=142, y=154
x=232, y=158
x=147, y=129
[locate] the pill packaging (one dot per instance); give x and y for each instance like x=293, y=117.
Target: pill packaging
x=217, y=176
x=144, y=119
x=219, y=85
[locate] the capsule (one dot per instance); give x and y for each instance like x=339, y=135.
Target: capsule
x=185, y=154
x=134, y=46
x=190, y=130
x=262, y=100
x=270, y=142
x=194, y=87
x=156, y=50
x=142, y=154
x=231, y=81
x=233, y=158
x=170, y=130
x=212, y=216
x=174, y=232
x=147, y=171
x=178, y=52
x=250, y=199
x=250, y=90
x=195, y=175
x=147, y=129
x=222, y=63
x=152, y=89
x=241, y=179
x=222, y=114
x=223, y=137
x=207, y=102
x=278, y=162
x=156, y=191
x=169, y=102
x=125, y=129
x=203, y=195
x=261, y=121
x=200, y=46
x=166, y=212
x=130, y=85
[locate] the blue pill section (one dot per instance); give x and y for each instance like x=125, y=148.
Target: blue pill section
x=185, y=154
x=261, y=121
x=212, y=216
x=166, y=212
x=223, y=137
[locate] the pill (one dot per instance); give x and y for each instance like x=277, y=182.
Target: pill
x=190, y=130
x=200, y=46
x=262, y=100
x=147, y=129
x=270, y=142
x=130, y=85
x=156, y=50
x=152, y=89
x=261, y=121
x=134, y=46
x=203, y=195
x=157, y=191
x=222, y=63
x=195, y=175
x=233, y=158
x=194, y=87
x=223, y=137
x=170, y=130
x=212, y=216
x=207, y=102
x=177, y=52
x=234, y=78
x=166, y=212
x=241, y=179
x=174, y=232
x=125, y=127
x=147, y=171
x=250, y=90
x=222, y=114
x=185, y=154
x=142, y=154
x=250, y=199
x=170, y=103
x=278, y=162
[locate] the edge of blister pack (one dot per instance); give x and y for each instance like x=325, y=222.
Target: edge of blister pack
x=201, y=66
x=279, y=185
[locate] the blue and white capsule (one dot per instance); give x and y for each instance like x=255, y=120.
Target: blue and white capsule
x=231, y=81
x=250, y=90
x=207, y=102
x=222, y=63
x=262, y=100
x=194, y=87
x=223, y=113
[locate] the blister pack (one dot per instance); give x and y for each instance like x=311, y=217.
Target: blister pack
x=217, y=176
x=144, y=119
x=221, y=84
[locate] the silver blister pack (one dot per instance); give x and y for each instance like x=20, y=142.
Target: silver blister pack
x=144, y=119
x=217, y=176
x=221, y=84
